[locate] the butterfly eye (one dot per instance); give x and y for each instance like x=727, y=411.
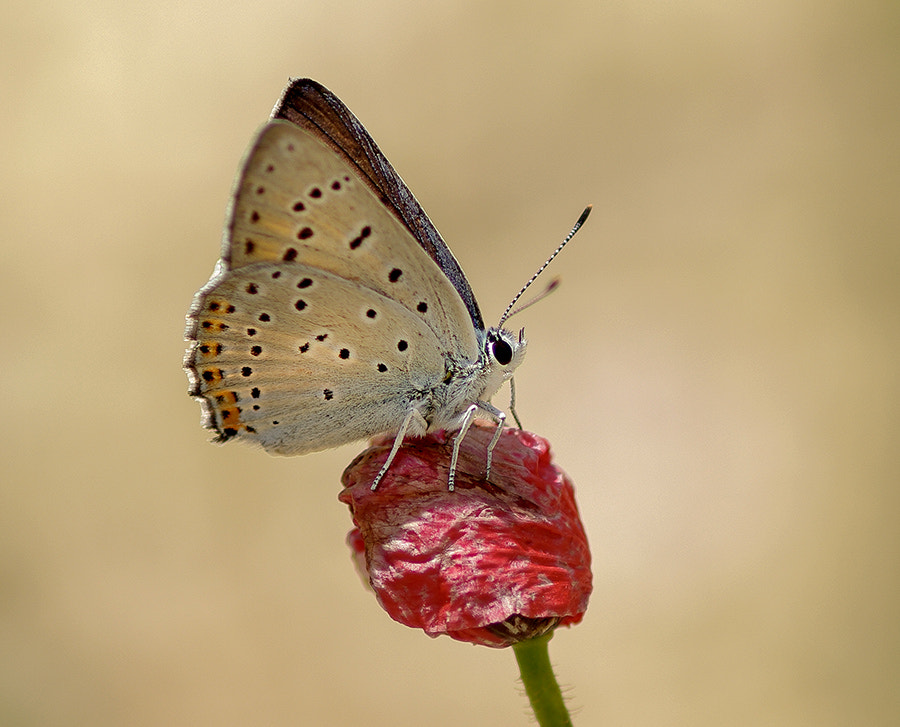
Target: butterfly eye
x=502, y=352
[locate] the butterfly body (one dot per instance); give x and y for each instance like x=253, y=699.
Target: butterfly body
x=330, y=318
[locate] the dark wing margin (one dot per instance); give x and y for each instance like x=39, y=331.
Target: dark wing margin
x=313, y=107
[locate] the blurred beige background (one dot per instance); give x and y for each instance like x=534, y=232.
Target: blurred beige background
x=718, y=372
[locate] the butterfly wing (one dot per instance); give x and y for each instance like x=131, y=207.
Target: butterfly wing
x=299, y=359
x=296, y=201
x=325, y=319
x=313, y=107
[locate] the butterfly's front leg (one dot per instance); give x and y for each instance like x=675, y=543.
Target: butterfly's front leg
x=512, y=402
x=467, y=419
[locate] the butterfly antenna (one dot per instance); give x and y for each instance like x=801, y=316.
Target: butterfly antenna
x=551, y=286
x=506, y=313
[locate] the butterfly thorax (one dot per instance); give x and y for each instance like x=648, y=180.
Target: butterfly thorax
x=467, y=383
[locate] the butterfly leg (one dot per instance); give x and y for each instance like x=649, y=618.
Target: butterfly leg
x=512, y=402
x=467, y=420
x=398, y=441
x=501, y=422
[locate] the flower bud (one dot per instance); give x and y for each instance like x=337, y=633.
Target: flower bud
x=492, y=562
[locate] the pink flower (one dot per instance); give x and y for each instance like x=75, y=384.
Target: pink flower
x=491, y=563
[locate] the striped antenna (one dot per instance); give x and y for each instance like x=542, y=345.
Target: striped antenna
x=506, y=313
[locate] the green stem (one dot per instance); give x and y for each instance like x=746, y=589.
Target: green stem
x=540, y=682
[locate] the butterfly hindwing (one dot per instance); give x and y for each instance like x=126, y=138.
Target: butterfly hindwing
x=298, y=359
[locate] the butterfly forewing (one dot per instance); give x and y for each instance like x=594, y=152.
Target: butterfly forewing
x=299, y=202
x=313, y=107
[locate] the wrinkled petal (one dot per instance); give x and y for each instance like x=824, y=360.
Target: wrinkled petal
x=491, y=562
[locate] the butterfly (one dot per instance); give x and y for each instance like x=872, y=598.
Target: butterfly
x=336, y=311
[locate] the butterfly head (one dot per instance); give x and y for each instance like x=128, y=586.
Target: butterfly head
x=502, y=352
